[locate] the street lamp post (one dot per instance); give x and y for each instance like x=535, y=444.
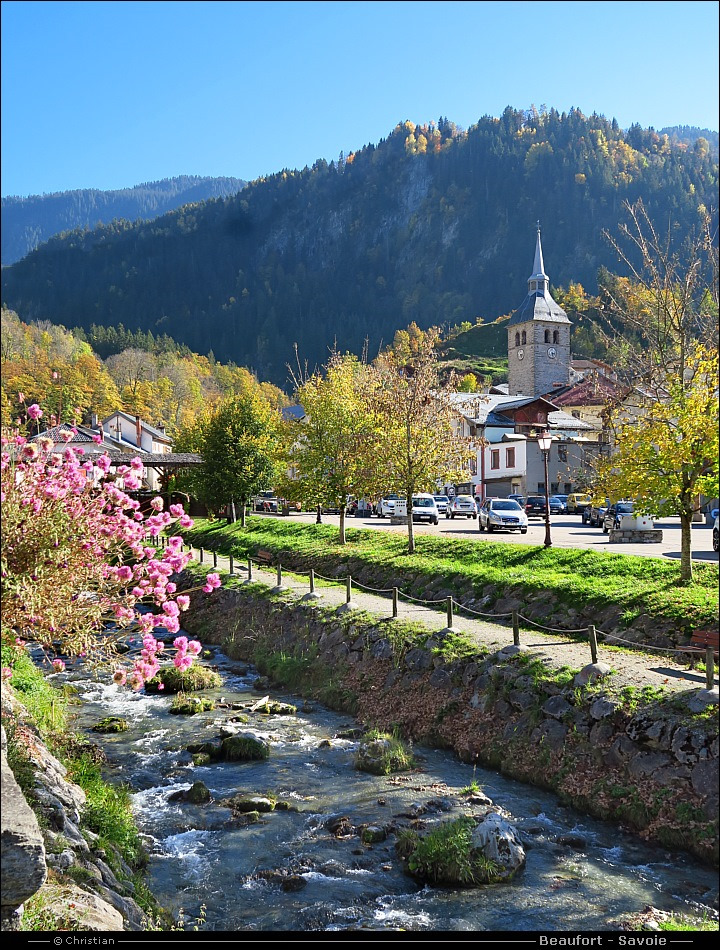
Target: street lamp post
x=544, y=442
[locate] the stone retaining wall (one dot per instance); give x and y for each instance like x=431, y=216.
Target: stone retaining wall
x=652, y=769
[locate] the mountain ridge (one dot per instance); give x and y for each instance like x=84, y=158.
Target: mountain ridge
x=432, y=225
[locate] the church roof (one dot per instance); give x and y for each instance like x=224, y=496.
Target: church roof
x=537, y=306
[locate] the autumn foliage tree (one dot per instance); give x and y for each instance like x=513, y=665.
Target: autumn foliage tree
x=417, y=445
x=665, y=429
x=333, y=452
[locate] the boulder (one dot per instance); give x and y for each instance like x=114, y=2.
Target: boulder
x=111, y=724
x=23, y=868
x=244, y=747
x=248, y=803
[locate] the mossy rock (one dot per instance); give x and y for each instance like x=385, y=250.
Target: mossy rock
x=274, y=708
x=111, y=724
x=198, y=794
x=251, y=803
x=373, y=834
x=184, y=705
x=202, y=758
x=381, y=754
x=466, y=852
x=244, y=747
x=192, y=680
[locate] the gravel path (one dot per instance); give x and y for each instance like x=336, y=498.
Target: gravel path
x=632, y=666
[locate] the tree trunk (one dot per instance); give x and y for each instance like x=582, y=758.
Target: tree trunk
x=233, y=515
x=342, y=523
x=411, y=527
x=686, y=570
x=318, y=519
x=243, y=513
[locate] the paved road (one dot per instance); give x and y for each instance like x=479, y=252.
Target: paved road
x=631, y=666
x=567, y=531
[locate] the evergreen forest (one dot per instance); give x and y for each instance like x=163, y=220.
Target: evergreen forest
x=433, y=224
x=28, y=222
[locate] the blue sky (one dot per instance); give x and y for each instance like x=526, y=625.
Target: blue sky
x=111, y=94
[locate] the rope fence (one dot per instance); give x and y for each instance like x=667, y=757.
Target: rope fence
x=450, y=605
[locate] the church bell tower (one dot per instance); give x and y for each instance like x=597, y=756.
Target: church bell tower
x=538, y=338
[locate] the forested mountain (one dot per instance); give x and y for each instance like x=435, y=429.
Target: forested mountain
x=28, y=222
x=433, y=225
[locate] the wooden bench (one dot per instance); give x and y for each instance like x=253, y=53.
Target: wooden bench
x=700, y=641
x=264, y=557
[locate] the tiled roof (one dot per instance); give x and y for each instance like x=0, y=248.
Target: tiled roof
x=56, y=434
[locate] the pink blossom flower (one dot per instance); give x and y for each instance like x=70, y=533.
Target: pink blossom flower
x=97, y=438
x=181, y=644
x=177, y=510
x=186, y=522
x=66, y=435
x=161, y=686
x=58, y=666
x=183, y=601
x=34, y=411
x=136, y=465
x=7, y=672
x=194, y=647
x=157, y=503
x=119, y=677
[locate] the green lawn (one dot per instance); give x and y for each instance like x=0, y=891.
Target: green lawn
x=577, y=577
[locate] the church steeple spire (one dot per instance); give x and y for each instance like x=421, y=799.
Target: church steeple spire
x=538, y=281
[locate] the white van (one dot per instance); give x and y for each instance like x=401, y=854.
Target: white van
x=424, y=508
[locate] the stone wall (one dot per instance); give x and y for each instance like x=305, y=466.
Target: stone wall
x=651, y=766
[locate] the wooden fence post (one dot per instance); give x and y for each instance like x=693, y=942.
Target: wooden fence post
x=709, y=668
x=516, y=628
x=593, y=643
x=395, y=601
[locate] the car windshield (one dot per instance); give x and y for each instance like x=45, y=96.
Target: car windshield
x=536, y=501
x=424, y=502
x=440, y=497
x=505, y=506
x=624, y=509
x=465, y=499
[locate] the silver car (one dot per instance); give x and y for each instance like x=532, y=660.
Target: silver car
x=502, y=514
x=461, y=505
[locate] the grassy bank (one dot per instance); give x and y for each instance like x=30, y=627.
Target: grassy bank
x=636, y=585
x=107, y=812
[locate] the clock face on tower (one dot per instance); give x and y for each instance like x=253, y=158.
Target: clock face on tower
x=552, y=352
x=520, y=354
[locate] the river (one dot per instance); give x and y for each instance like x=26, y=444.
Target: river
x=580, y=875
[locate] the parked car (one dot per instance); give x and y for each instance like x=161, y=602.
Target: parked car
x=265, y=501
x=578, y=502
x=424, y=508
x=535, y=506
x=520, y=499
x=442, y=502
x=386, y=505
x=614, y=514
x=594, y=515
x=558, y=503
x=462, y=505
x=502, y=514
x=716, y=535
